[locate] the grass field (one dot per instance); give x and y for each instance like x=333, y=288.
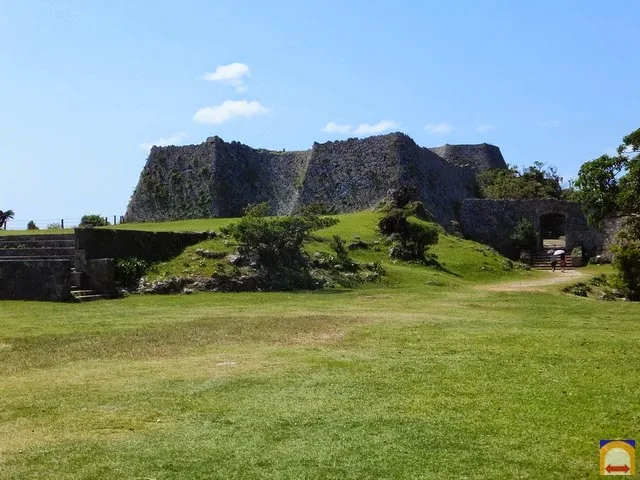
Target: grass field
x=427, y=375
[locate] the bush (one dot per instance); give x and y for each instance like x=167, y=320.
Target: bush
x=599, y=280
x=94, y=221
x=524, y=235
x=607, y=295
x=276, y=243
x=338, y=245
x=257, y=210
x=580, y=289
x=54, y=226
x=32, y=225
x=315, y=209
x=411, y=238
x=627, y=263
x=129, y=270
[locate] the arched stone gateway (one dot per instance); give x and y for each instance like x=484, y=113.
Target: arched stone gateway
x=492, y=222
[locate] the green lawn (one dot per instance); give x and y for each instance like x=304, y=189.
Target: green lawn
x=427, y=375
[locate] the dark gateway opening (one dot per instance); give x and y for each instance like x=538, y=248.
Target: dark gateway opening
x=553, y=229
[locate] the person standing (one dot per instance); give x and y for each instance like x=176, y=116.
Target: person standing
x=563, y=262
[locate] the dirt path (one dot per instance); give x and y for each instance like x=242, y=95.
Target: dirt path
x=550, y=278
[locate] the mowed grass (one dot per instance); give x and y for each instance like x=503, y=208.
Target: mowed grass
x=412, y=378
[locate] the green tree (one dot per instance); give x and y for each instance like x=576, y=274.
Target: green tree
x=5, y=217
x=32, y=225
x=93, y=220
x=609, y=187
x=524, y=235
x=534, y=181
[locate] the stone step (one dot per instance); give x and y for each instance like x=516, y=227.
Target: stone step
x=79, y=292
x=58, y=258
x=90, y=298
x=32, y=238
x=46, y=243
x=37, y=252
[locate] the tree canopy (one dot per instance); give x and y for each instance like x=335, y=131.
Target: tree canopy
x=609, y=186
x=534, y=181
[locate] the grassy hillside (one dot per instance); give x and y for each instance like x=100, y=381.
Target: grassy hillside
x=462, y=260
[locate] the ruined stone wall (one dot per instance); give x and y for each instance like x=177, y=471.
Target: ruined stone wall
x=492, y=222
x=219, y=179
x=214, y=179
x=476, y=157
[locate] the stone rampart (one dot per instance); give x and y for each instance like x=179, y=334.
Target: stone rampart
x=476, y=157
x=219, y=179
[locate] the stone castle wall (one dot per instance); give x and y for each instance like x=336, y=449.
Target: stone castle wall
x=492, y=222
x=219, y=179
x=476, y=157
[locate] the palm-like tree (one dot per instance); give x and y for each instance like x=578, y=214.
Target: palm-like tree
x=4, y=217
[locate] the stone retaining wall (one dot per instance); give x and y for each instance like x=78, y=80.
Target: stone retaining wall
x=35, y=280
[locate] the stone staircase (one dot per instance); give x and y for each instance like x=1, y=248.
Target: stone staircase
x=542, y=261
x=47, y=248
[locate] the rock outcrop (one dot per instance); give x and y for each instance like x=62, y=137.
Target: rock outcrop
x=219, y=179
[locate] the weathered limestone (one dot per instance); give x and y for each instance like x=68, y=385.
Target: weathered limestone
x=219, y=179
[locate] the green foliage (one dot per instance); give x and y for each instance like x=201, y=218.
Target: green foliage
x=5, y=217
x=531, y=182
x=93, y=220
x=54, y=226
x=315, y=209
x=129, y=270
x=412, y=237
x=257, y=210
x=579, y=289
x=524, y=235
x=276, y=242
x=610, y=186
x=599, y=280
x=339, y=246
x=32, y=225
x=627, y=263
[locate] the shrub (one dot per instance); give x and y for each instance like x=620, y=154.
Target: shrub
x=129, y=270
x=338, y=245
x=54, y=226
x=599, y=280
x=315, y=209
x=276, y=242
x=32, y=225
x=257, y=210
x=580, y=289
x=524, y=235
x=412, y=237
x=93, y=220
x=607, y=295
x=627, y=263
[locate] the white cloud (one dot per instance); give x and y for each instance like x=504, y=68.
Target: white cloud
x=227, y=110
x=438, y=128
x=333, y=127
x=231, y=74
x=384, y=125
x=549, y=124
x=485, y=128
x=361, y=129
x=175, y=139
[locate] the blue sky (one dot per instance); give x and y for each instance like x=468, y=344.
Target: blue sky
x=86, y=86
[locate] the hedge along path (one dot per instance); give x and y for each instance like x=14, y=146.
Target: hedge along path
x=550, y=278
